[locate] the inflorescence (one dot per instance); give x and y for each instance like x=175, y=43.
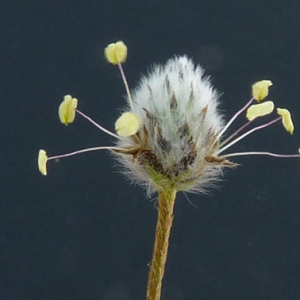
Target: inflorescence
x=172, y=133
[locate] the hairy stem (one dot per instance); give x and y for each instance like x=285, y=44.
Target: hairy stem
x=166, y=200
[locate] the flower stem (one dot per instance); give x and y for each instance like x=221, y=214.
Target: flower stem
x=166, y=200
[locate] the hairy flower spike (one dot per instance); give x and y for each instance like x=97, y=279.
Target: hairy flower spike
x=260, y=89
x=116, y=53
x=259, y=110
x=42, y=162
x=66, y=110
x=177, y=142
x=286, y=119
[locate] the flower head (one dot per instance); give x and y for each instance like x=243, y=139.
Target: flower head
x=177, y=142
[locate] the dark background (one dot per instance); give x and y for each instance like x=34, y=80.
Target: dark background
x=83, y=232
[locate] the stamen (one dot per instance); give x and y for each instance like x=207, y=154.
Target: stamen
x=261, y=153
x=234, y=117
x=235, y=133
x=97, y=125
x=247, y=133
x=84, y=150
x=126, y=85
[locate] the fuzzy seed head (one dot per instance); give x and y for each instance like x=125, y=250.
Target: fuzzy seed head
x=177, y=142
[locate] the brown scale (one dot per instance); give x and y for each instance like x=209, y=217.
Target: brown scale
x=152, y=120
x=162, y=142
x=203, y=114
x=184, y=163
x=213, y=141
x=167, y=83
x=181, y=74
x=204, y=111
x=189, y=159
x=190, y=143
x=149, y=157
x=219, y=160
x=184, y=130
x=150, y=116
x=192, y=92
x=173, y=102
x=150, y=90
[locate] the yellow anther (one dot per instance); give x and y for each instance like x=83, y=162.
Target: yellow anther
x=42, y=162
x=286, y=119
x=116, y=53
x=260, y=89
x=128, y=124
x=66, y=110
x=259, y=110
